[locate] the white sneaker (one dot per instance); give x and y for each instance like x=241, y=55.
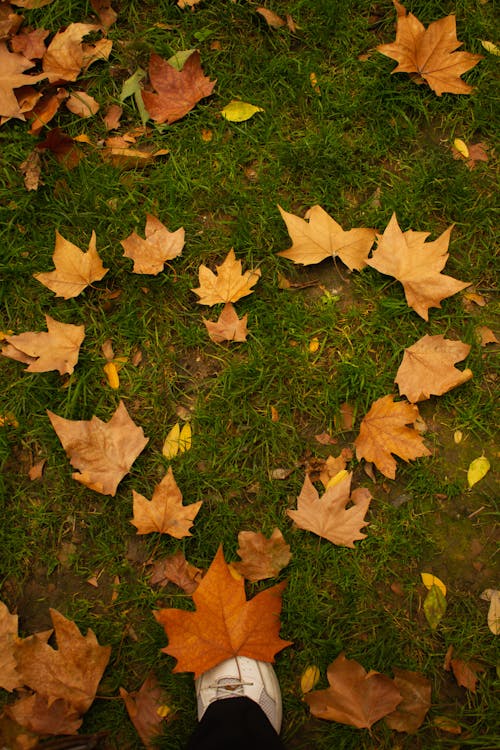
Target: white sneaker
x=241, y=677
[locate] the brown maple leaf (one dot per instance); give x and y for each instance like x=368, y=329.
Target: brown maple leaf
x=147, y=708
x=430, y=52
x=261, y=557
x=31, y=44
x=415, y=690
x=318, y=236
x=160, y=245
x=56, y=349
x=228, y=326
x=229, y=284
x=328, y=516
x=428, y=368
x=165, y=512
x=225, y=624
x=417, y=265
x=384, y=431
x=103, y=452
x=64, y=57
x=178, y=90
x=72, y=672
x=355, y=697
x=75, y=269
x=43, y=714
x=107, y=16
x=9, y=676
x=178, y=570
x=466, y=673
x=12, y=76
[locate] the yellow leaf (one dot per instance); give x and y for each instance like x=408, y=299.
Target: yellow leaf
x=336, y=479
x=112, y=374
x=237, y=576
x=314, y=83
x=490, y=47
x=185, y=438
x=477, y=470
x=458, y=436
x=434, y=606
x=171, y=445
x=314, y=345
x=163, y=711
x=237, y=111
x=310, y=678
x=429, y=580
x=461, y=147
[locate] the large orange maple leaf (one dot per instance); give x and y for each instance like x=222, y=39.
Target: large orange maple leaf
x=225, y=624
x=430, y=52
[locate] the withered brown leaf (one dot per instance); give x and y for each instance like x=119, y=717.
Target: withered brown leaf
x=165, y=512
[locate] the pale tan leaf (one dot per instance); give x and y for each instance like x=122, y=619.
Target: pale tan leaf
x=75, y=269
x=150, y=255
x=164, y=513
x=228, y=326
x=82, y=104
x=9, y=676
x=56, y=349
x=229, y=284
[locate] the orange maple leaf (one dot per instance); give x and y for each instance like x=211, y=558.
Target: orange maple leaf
x=160, y=245
x=165, y=512
x=430, y=52
x=225, y=624
x=178, y=90
x=103, y=452
x=328, y=516
x=228, y=326
x=261, y=557
x=55, y=349
x=12, y=76
x=75, y=269
x=383, y=431
x=428, y=368
x=355, y=696
x=417, y=265
x=229, y=284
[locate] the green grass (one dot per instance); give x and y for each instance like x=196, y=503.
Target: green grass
x=369, y=145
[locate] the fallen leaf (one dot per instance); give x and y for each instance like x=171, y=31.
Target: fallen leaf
x=328, y=516
x=429, y=580
x=177, y=441
x=63, y=147
x=493, y=596
x=430, y=52
x=229, y=284
x=383, y=431
x=313, y=80
x=178, y=91
x=165, y=512
x=415, y=690
x=280, y=473
x=478, y=299
x=111, y=372
x=63, y=59
x=228, y=326
x=10, y=22
x=470, y=154
x=31, y=44
x=82, y=104
x=57, y=349
x=237, y=111
x=160, y=245
x=180, y=57
x=355, y=697
x=447, y=725
x=36, y=471
x=486, y=336
x=112, y=116
x=31, y=167
x=318, y=236
x=102, y=451
x=131, y=158
x=466, y=673
x=428, y=368
x=333, y=465
x=477, y=470
x=324, y=438
x=225, y=624
x=271, y=18
x=75, y=269
x=107, y=16
x=12, y=76
x=490, y=47
x=417, y=265
x=72, y=672
x=434, y=606
x=309, y=678
x=346, y=417
x=45, y=715
x=178, y=570
x=261, y=557
x=187, y=3
x=10, y=678
x=41, y=114
x=144, y=706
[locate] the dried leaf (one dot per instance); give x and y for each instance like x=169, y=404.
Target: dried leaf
x=228, y=326
x=146, y=709
x=36, y=471
x=229, y=284
x=107, y=16
x=383, y=431
x=57, y=349
x=261, y=557
x=31, y=168
x=63, y=147
x=10, y=678
x=328, y=516
x=493, y=596
x=45, y=715
x=160, y=245
x=12, y=76
x=225, y=624
x=82, y=104
x=309, y=678
x=63, y=59
x=112, y=116
x=447, y=725
x=165, y=512
x=471, y=154
x=434, y=606
x=75, y=269
x=415, y=690
x=486, y=336
x=103, y=452
x=176, y=569
x=271, y=18
x=31, y=44
x=466, y=673
x=237, y=111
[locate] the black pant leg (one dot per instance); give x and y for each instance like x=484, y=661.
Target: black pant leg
x=235, y=724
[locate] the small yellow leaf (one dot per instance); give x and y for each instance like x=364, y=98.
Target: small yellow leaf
x=434, y=606
x=477, y=298
x=314, y=83
x=237, y=111
x=461, y=147
x=314, y=345
x=171, y=445
x=8, y=419
x=185, y=438
x=336, y=479
x=429, y=580
x=112, y=374
x=458, y=436
x=310, y=678
x=163, y=711
x=477, y=470
x=490, y=47
x=206, y=135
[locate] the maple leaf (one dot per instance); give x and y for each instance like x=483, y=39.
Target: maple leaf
x=383, y=431
x=466, y=673
x=178, y=90
x=103, y=452
x=355, y=697
x=63, y=59
x=82, y=104
x=165, y=512
x=328, y=516
x=229, y=284
x=415, y=690
x=261, y=557
x=72, y=672
x=430, y=52
x=9, y=676
x=75, y=269
x=160, y=245
x=56, y=349
x=417, y=265
x=107, y=16
x=228, y=326
x=225, y=624
x=12, y=76
x=147, y=708
x=427, y=368
x=176, y=569
x=318, y=236
x=31, y=44
x=45, y=715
